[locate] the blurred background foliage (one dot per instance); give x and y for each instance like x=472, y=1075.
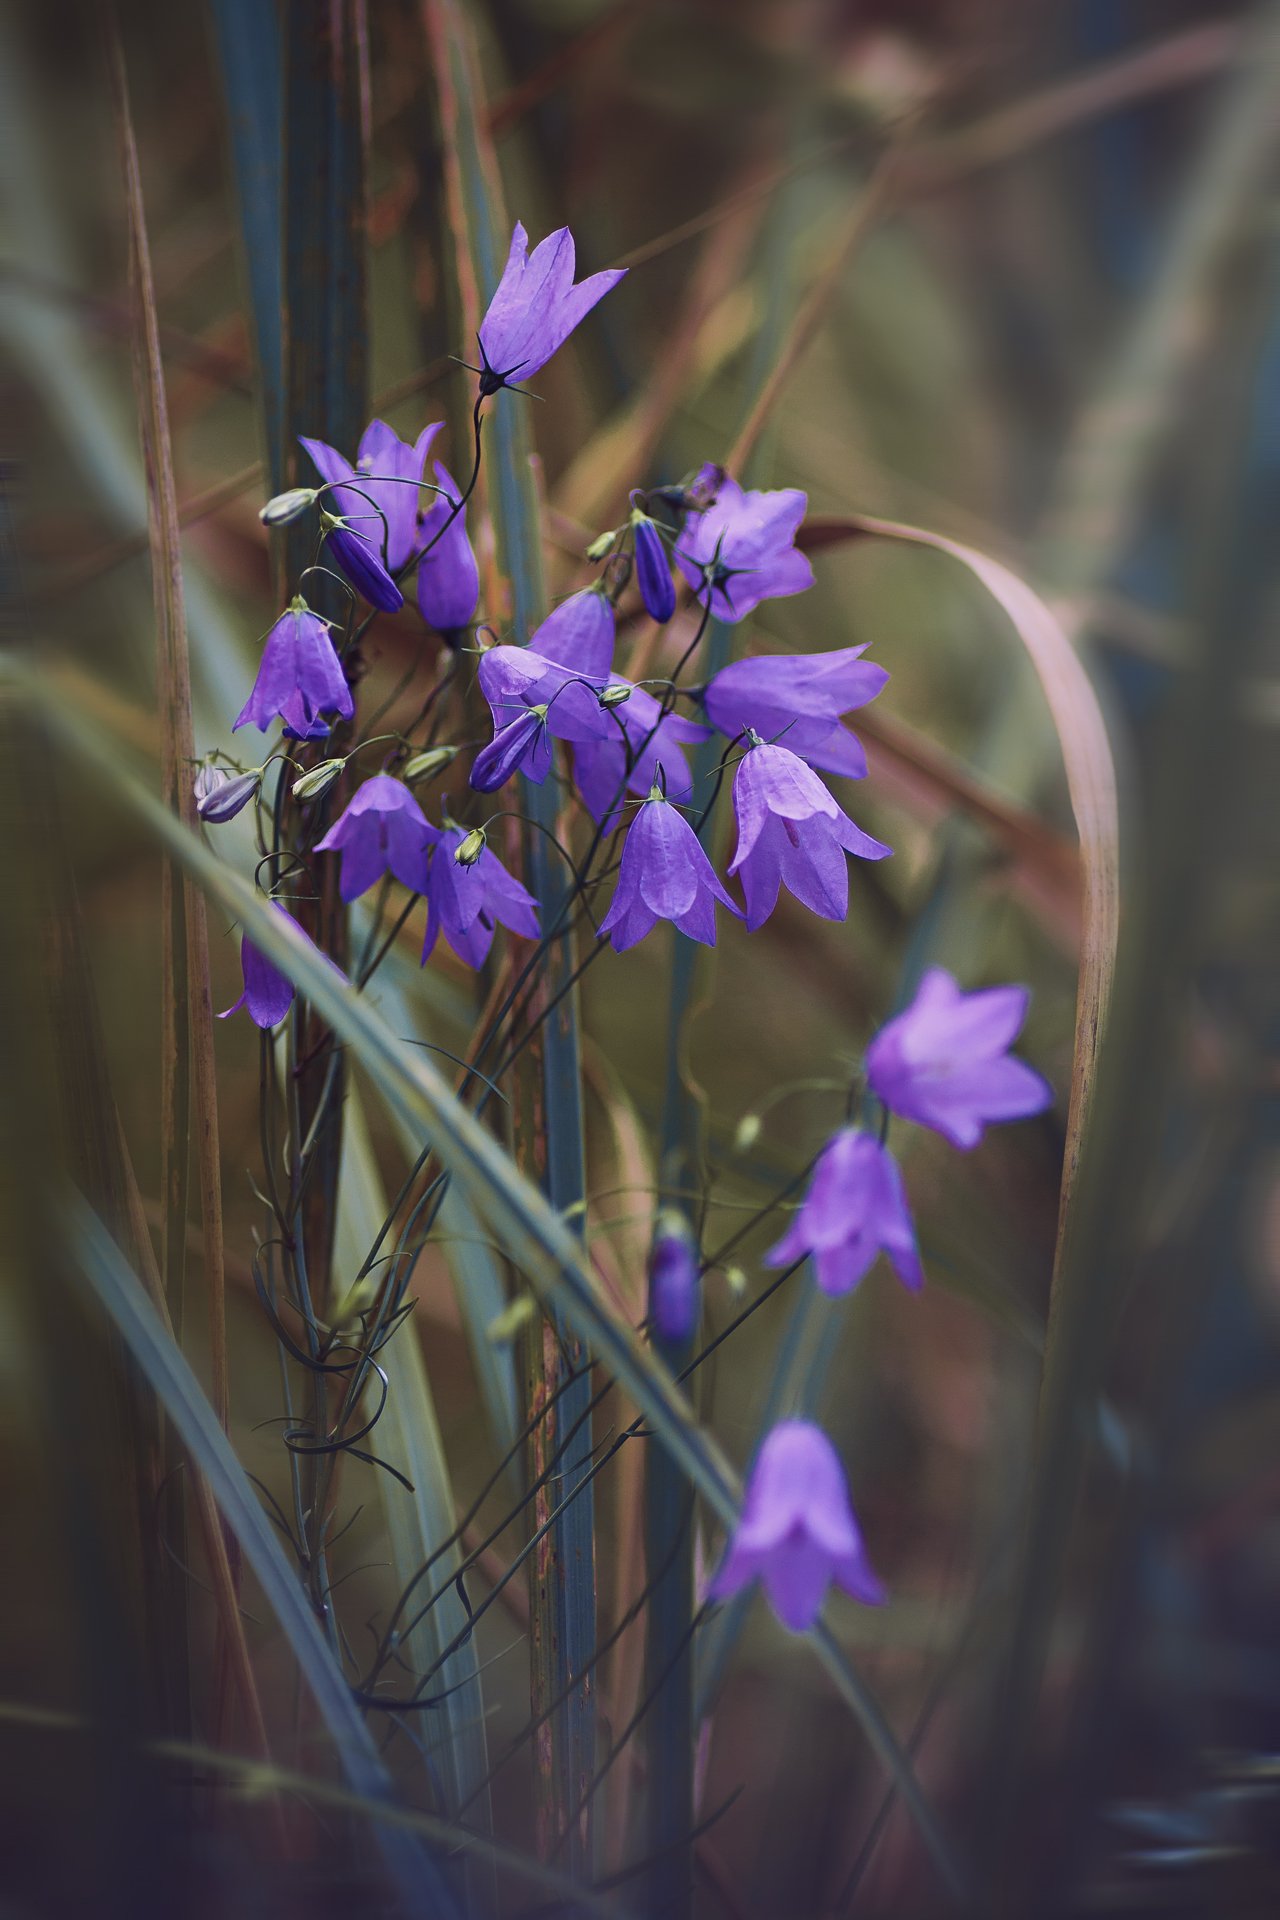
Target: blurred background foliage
x=1040, y=246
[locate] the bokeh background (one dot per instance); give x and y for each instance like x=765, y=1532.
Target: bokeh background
x=1023, y=258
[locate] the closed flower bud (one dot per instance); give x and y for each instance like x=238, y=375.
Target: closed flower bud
x=425, y=765
x=468, y=851
x=287, y=506
x=675, y=1280
x=317, y=780
x=614, y=696
x=225, y=800
x=748, y=1132
x=653, y=570
x=601, y=544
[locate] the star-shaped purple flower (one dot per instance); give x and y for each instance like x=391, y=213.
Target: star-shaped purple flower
x=797, y=1532
x=465, y=901
x=944, y=1062
x=382, y=830
x=536, y=307
x=384, y=462
x=791, y=833
x=448, y=577
x=741, y=549
x=801, y=698
x=856, y=1208
x=299, y=676
x=664, y=875
x=268, y=993
x=641, y=733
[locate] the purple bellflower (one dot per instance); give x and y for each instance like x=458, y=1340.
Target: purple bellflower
x=740, y=550
x=383, y=830
x=384, y=463
x=536, y=307
x=944, y=1062
x=801, y=698
x=448, y=577
x=664, y=875
x=791, y=833
x=856, y=1207
x=579, y=634
x=640, y=732
x=534, y=698
x=268, y=993
x=466, y=899
x=299, y=677
x=797, y=1532
x=675, y=1280
x=653, y=571
x=220, y=796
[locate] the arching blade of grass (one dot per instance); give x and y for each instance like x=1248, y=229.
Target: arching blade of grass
x=564, y=1611
x=422, y=1886
x=521, y=1219
x=408, y=1435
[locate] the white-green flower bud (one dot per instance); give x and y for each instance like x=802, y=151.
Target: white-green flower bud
x=428, y=763
x=287, y=506
x=316, y=780
x=468, y=851
x=614, y=696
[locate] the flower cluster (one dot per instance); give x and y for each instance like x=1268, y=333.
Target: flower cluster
x=642, y=776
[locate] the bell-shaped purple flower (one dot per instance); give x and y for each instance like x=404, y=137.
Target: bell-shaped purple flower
x=641, y=734
x=579, y=634
x=741, y=549
x=791, y=833
x=664, y=875
x=945, y=1063
x=536, y=307
x=384, y=464
x=299, y=676
x=675, y=1280
x=856, y=1207
x=382, y=830
x=268, y=993
x=523, y=743
x=533, y=700
x=448, y=577
x=801, y=698
x=653, y=571
x=797, y=1532
x=466, y=900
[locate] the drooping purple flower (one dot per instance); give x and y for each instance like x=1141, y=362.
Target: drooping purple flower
x=268, y=993
x=382, y=830
x=359, y=558
x=944, y=1061
x=653, y=571
x=534, y=699
x=384, y=463
x=856, y=1207
x=791, y=833
x=536, y=307
x=797, y=1532
x=299, y=676
x=740, y=550
x=664, y=875
x=801, y=697
x=448, y=577
x=675, y=1279
x=466, y=900
x=579, y=634
x=639, y=733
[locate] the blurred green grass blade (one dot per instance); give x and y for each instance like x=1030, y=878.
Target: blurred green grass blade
x=564, y=1586
x=248, y=37
x=408, y=1434
x=521, y=1219
x=121, y=1293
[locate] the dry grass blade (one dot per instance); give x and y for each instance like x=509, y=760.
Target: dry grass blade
x=1091, y=782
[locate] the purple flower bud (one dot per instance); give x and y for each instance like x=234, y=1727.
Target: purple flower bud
x=791, y=833
x=536, y=307
x=856, y=1208
x=797, y=1531
x=383, y=491
x=299, y=677
x=653, y=572
x=664, y=875
x=383, y=830
x=268, y=993
x=523, y=742
x=223, y=800
x=357, y=555
x=944, y=1062
x=448, y=577
x=675, y=1280
x=466, y=899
